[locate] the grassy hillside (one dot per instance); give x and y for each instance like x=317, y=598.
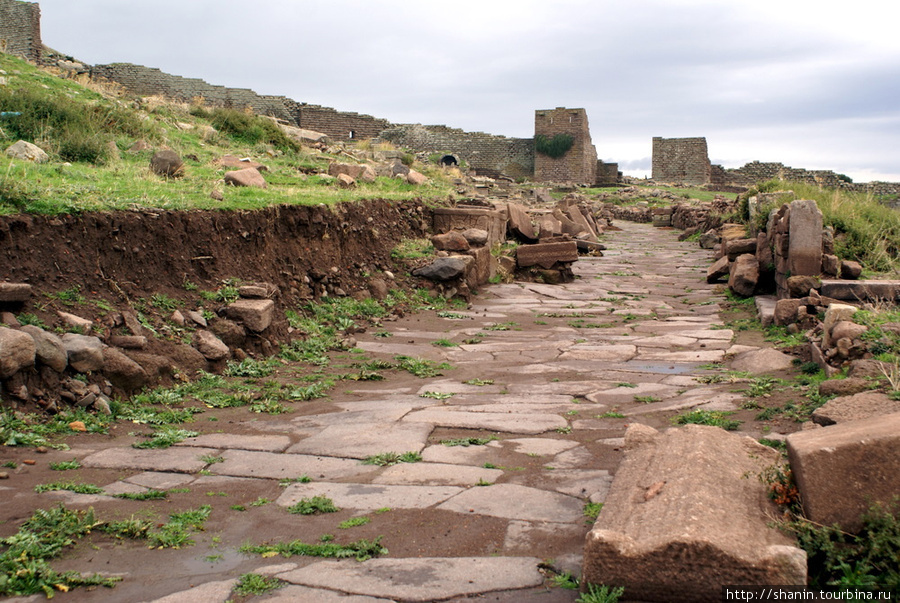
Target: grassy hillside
x=87, y=130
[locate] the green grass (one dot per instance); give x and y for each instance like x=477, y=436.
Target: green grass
x=65, y=465
x=178, y=531
x=715, y=418
x=256, y=584
x=466, y=442
x=165, y=437
x=360, y=550
x=69, y=486
x=313, y=506
x=353, y=522
x=386, y=459
x=420, y=367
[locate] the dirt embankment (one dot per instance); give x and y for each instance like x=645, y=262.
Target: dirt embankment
x=117, y=262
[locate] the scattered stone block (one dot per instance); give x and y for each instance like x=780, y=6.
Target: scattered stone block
x=758, y=362
x=128, y=342
x=844, y=387
x=862, y=457
x=709, y=239
x=345, y=181
x=14, y=292
x=862, y=405
x=49, y=349
x=210, y=346
x=765, y=309
x=805, y=247
x=415, y=178
x=744, y=274
x=861, y=290
x=719, y=270
x=76, y=322
x=25, y=151
x=450, y=241
x=850, y=270
x=493, y=222
x=800, y=286
x=249, y=177
x=831, y=265
x=255, y=314
x=167, y=163
x=786, y=311
x=85, y=353
x=122, y=371
x=17, y=352
x=736, y=247
x=445, y=269
x=476, y=237
x=520, y=223
x=546, y=255
x=682, y=519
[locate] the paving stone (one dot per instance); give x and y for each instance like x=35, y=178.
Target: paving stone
x=858, y=406
x=295, y=594
x=228, y=441
x=204, y=593
x=766, y=360
x=475, y=456
x=156, y=480
x=536, y=446
x=526, y=537
x=617, y=353
x=511, y=501
x=436, y=474
x=180, y=460
x=362, y=440
x=421, y=579
x=370, y=497
x=527, y=423
x=243, y=463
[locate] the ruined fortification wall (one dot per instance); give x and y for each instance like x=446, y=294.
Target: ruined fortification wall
x=20, y=29
x=681, y=160
x=757, y=171
x=579, y=164
x=487, y=154
x=339, y=125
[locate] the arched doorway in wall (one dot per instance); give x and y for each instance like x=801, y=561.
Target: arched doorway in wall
x=449, y=161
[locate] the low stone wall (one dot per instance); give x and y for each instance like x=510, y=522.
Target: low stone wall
x=20, y=29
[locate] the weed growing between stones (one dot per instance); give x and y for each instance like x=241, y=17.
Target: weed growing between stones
x=420, y=367
x=715, y=418
x=70, y=486
x=353, y=522
x=386, y=459
x=313, y=506
x=256, y=584
x=165, y=437
x=466, y=442
x=361, y=550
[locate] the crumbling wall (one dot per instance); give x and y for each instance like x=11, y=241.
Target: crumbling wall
x=487, y=154
x=338, y=125
x=757, y=171
x=607, y=174
x=681, y=160
x=579, y=164
x=20, y=29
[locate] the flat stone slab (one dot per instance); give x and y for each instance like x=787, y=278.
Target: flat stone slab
x=682, y=519
x=370, y=497
x=511, y=501
x=766, y=360
x=591, y=484
x=295, y=594
x=360, y=440
x=605, y=353
x=527, y=537
x=527, y=423
x=700, y=356
x=436, y=474
x=537, y=446
x=421, y=579
x=211, y=591
x=179, y=460
x=460, y=455
x=160, y=481
x=245, y=463
x=863, y=405
x=228, y=441
x=861, y=290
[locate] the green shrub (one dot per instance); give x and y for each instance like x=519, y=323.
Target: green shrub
x=251, y=129
x=554, y=147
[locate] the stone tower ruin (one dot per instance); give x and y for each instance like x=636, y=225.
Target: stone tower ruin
x=20, y=29
x=579, y=163
x=681, y=160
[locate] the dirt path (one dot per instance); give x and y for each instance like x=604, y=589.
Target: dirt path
x=545, y=378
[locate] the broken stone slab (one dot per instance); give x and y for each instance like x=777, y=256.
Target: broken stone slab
x=886, y=290
x=682, y=519
x=177, y=460
x=360, y=440
x=83, y=325
x=49, y=349
x=843, y=469
x=209, y=345
x=524, y=423
x=436, y=474
x=512, y=501
x=264, y=443
x=122, y=371
x=546, y=255
x=445, y=269
x=765, y=309
x=450, y=241
x=805, y=246
x=17, y=352
x=248, y=177
x=758, y=362
x=718, y=270
x=737, y=247
x=858, y=406
x=493, y=222
x=520, y=223
x=370, y=497
x=249, y=463
x=421, y=579
x=255, y=314
x=14, y=293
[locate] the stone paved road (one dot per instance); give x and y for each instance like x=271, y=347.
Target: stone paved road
x=573, y=366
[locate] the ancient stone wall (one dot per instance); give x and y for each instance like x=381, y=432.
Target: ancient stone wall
x=20, y=29
x=757, y=171
x=487, y=154
x=681, y=160
x=339, y=125
x=607, y=174
x=579, y=164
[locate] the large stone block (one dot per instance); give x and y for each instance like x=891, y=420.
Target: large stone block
x=17, y=351
x=862, y=405
x=682, y=519
x=49, y=349
x=85, y=353
x=843, y=469
x=256, y=314
x=14, y=292
x=546, y=255
x=446, y=219
x=861, y=290
x=805, y=252
x=744, y=274
x=520, y=223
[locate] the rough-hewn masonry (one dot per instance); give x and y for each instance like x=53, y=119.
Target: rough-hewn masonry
x=20, y=29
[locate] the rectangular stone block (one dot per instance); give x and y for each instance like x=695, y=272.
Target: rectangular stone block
x=14, y=292
x=686, y=515
x=546, y=255
x=446, y=219
x=805, y=254
x=861, y=290
x=842, y=469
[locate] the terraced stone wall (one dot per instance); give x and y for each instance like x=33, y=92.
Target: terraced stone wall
x=20, y=29
x=339, y=125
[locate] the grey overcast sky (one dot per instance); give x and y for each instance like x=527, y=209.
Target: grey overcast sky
x=812, y=84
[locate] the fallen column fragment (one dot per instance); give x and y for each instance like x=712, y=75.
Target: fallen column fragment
x=686, y=515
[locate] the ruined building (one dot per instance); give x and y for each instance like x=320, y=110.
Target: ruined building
x=20, y=29
x=681, y=160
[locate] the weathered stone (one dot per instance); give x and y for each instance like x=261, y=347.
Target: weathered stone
x=681, y=519
x=805, y=254
x=247, y=177
x=482, y=269
x=736, y=247
x=445, y=269
x=709, y=239
x=834, y=314
x=863, y=457
x=450, y=241
x=520, y=223
x=167, y=163
x=17, y=352
x=766, y=360
x=831, y=265
x=800, y=286
x=546, y=255
x=744, y=274
x=210, y=346
x=128, y=342
x=345, y=181
x=122, y=371
x=253, y=292
x=415, y=178
x=567, y=226
x=765, y=309
x=476, y=237
x=861, y=290
x=847, y=329
x=844, y=387
x=862, y=405
x=732, y=231
x=229, y=331
x=786, y=311
x=14, y=292
x=49, y=349
x=85, y=353
x=230, y=161
x=255, y=314
x=379, y=289
x=76, y=322
x=446, y=219
x=718, y=270
x=25, y=151
x=196, y=318
x=178, y=318
x=850, y=270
